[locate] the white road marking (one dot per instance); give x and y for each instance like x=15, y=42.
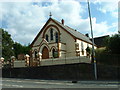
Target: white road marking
x=8, y=85
x=17, y=86
x=53, y=83
x=19, y=81
x=13, y=80
x=43, y=82
x=26, y=79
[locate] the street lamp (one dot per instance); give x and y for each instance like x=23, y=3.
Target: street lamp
x=93, y=50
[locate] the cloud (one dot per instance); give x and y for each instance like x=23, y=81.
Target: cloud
x=99, y=29
x=108, y=7
x=23, y=20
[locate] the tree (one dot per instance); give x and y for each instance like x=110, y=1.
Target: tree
x=7, y=45
x=113, y=44
x=110, y=54
x=11, y=48
x=26, y=49
x=88, y=49
x=20, y=49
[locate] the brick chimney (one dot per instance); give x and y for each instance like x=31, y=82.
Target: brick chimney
x=87, y=34
x=62, y=21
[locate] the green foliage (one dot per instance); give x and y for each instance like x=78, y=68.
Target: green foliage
x=111, y=53
x=106, y=41
x=20, y=49
x=26, y=49
x=7, y=45
x=100, y=54
x=89, y=50
x=55, y=54
x=100, y=51
x=9, y=48
x=17, y=48
x=113, y=44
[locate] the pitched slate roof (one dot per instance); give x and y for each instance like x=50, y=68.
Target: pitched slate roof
x=100, y=41
x=75, y=33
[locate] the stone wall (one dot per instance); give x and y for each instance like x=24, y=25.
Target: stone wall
x=64, y=72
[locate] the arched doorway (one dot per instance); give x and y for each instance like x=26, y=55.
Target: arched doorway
x=45, y=53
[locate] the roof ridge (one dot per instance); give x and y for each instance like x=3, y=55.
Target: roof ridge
x=74, y=32
x=64, y=25
x=102, y=36
x=70, y=27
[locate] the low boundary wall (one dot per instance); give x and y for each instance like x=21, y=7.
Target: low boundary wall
x=81, y=71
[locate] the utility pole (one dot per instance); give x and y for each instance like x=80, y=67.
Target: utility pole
x=93, y=50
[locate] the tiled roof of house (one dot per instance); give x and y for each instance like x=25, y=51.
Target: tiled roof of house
x=100, y=41
x=75, y=33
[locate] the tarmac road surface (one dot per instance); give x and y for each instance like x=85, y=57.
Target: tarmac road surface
x=48, y=84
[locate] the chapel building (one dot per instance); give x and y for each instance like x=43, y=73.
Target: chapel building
x=56, y=40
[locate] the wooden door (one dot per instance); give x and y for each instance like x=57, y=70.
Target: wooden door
x=45, y=53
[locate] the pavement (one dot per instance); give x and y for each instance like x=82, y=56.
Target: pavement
x=48, y=84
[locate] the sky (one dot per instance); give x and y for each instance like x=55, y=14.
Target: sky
x=24, y=19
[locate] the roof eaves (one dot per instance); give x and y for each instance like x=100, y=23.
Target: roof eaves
x=40, y=32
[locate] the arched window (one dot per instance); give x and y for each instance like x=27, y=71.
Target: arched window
x=51, y=34
x=82, y=48
x=47, y=38
x=56, y=37
x=54, y=53
x=35, y=54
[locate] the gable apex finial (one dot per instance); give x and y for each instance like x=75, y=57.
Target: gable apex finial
x=50, y=15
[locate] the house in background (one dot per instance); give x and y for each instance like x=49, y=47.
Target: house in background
x=21, y=57
x=56, y=40
x=100, y=41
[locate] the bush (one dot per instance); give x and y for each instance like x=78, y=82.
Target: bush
x=102, y=57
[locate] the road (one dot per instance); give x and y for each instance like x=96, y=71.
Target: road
x=34, y=83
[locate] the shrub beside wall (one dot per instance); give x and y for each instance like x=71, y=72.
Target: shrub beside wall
x=103, y=57
x=108, y=59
